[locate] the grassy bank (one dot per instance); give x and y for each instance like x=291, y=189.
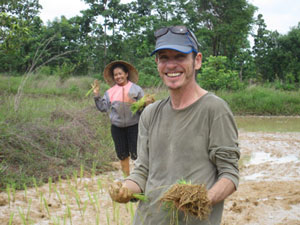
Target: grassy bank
x=263, y=101
x=52, y=129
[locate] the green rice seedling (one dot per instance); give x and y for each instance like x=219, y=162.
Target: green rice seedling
x=141, y=197
x=94, y=169
x=8, y=194
x=97, y=203
x=28, y=209
x=22, y=215
x=91, y=199
x=11, y=217
x=25, y=192
x=41, y=198
x=107, y=218
x=118, y=213
x=89, y=92
x=75, y=176
x=50, y=185
x=65, y=219
x=35, y=184
x=69, y=181
x=99, y=185
x=13, y=188
x=81, y=171
x=77, y=196
x=79, y=206
x=89, y=194
x=57, y=194
x=69, y=213
x=56, y=221
x=46, y=206
x=114, y=210
x=59, y=181
x=84, y=207
x=131, y=212
x=97, y=219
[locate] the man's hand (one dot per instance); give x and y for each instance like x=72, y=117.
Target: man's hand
x=96, y=87
x=119, y=193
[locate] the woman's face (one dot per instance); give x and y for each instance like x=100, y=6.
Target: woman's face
x=120, y=77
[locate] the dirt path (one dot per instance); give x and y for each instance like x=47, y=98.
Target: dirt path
x=269, y=191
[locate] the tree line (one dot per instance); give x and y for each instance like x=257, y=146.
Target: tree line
x=110, y=30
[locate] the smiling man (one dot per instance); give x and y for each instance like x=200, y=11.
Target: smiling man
x=190, y=135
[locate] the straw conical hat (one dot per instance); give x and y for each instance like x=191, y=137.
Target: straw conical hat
x=133, y=75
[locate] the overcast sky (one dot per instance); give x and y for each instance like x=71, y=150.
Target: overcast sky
x=279, y=15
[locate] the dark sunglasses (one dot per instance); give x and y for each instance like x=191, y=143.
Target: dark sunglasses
x=175, y=30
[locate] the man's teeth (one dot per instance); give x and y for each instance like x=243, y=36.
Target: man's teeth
x=173, y=74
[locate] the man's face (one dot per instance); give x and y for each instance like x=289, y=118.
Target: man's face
x=177, y=69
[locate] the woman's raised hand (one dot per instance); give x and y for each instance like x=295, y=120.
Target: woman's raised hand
x=96, y=87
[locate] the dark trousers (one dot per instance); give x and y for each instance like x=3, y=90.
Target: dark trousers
x=125, y=140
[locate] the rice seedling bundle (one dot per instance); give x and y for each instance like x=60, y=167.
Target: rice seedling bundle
x=142, y=103
x=94, y=86
x=189, y=198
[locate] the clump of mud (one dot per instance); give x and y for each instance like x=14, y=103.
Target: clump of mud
x=189, y=198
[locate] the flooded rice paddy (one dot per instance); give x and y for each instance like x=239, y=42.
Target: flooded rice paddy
x=268, y=193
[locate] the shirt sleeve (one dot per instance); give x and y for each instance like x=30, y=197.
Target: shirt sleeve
x=223, y=147
x=141, y=93
x=102, y=104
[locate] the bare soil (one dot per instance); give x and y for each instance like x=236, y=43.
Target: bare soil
x=268, y=194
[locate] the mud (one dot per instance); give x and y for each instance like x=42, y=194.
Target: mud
x=268, y=194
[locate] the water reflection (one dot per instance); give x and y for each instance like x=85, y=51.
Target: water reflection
x=269, y=123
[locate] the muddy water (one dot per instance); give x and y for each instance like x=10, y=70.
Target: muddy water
x=268, y=123
x=269, y=190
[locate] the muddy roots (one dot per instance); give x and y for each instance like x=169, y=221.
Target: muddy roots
x=189, y=198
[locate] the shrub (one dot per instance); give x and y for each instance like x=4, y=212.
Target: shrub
x=148, y=75
x=216, y=76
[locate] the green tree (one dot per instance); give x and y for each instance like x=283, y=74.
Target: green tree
x=215, y=75
x=289, y=55
x=222, y=26
x=18, y=23
x=262, y=49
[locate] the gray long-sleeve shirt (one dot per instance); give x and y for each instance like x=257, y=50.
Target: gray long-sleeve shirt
x=198, y=143
x=117, y=101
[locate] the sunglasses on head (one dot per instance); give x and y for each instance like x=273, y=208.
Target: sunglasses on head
x=175, y=30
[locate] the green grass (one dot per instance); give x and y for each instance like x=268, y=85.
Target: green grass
x=263, y=101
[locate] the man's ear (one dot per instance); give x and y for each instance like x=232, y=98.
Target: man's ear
x=198, y=61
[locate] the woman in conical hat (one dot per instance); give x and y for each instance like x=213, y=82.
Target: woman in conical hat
x=117, y=100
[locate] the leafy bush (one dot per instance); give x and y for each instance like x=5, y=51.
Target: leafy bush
x=148, y=75
x=45, y=70
x=215, y=75
x=65, y=71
